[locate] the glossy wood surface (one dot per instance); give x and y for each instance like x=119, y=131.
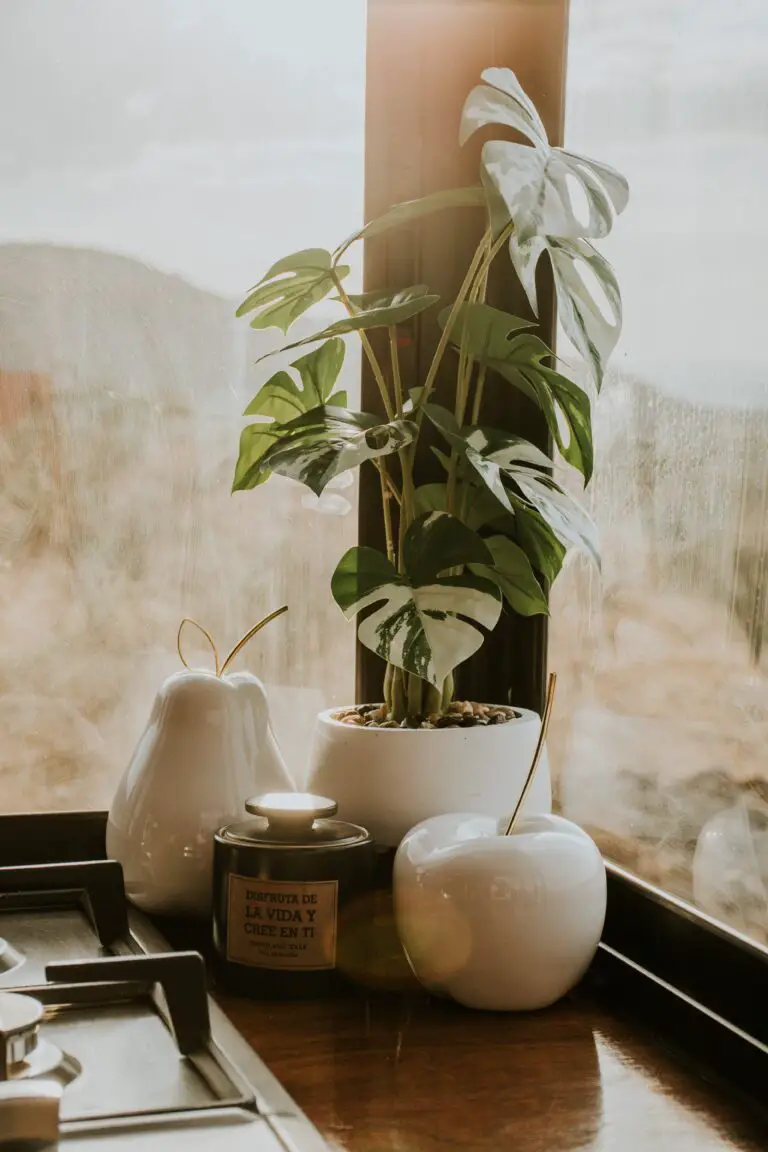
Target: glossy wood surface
x=401, y=1073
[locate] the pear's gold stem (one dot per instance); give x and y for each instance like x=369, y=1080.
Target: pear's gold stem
x=221, y=668
x=205, y=632
x=249, y=636
x=537, y=754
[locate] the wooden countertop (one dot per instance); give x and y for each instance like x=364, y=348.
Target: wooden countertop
x=403, y=1073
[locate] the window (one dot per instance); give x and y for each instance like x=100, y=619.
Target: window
x=663, y=709
x=156, y=157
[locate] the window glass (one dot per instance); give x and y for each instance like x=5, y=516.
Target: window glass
x=660, y=742
x=155, y=158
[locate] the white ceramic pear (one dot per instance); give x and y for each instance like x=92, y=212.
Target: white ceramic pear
x=207, y=748
x=499, y=922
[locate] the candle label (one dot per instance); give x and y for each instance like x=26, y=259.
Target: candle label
x=281, y=924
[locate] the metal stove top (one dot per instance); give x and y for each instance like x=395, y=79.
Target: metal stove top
x=109, y=1040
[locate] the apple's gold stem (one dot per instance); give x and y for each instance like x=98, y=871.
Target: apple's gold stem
x=537, y=754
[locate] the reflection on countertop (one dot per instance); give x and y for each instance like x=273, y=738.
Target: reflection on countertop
x=403, y=1073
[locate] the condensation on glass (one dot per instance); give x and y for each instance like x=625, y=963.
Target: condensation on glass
x=660, y=742
x=155, y=158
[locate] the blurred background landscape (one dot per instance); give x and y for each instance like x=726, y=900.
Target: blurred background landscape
x=660, y=743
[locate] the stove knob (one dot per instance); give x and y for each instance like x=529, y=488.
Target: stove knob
x=20, y=1018
x=29, y=1114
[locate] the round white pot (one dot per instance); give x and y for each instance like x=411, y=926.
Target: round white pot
x=389, y=779
x=207, y=748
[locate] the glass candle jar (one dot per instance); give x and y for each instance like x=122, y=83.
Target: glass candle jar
x=286, y=883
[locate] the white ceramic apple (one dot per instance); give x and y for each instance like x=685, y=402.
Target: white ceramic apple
x=207, y=748
x=504, y=923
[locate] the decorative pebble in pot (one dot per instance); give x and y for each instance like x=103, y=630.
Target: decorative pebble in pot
x=208, y=747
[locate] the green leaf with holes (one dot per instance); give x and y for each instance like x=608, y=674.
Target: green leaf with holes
x=377, y=310
x=423, y=620
x=282, y=398
x=255, y=441
x=500, y=99
x=535, y=186
x=499, y=341
x=290, y=287
x=511, y=571
x=513, y=471
x=542, y=547
x=590, y=313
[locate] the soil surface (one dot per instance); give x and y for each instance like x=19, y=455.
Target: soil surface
x=460, y=714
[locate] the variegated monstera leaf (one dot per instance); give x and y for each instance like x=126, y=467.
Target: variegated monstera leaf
x=500, y=341
x=311, y=437
x=325, y=442
x=283, y=398
x=371, y=310
x=290, y=287
x=426, y=619
x=558, y=201
x=517, y=473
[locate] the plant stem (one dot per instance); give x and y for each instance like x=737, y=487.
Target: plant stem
x=432, y=699
x=481, y=285
x=386, y=496
x=388, y=689
x=398, y=695
x=415, y=704
x=497, y=246
x=378, y=375
x=429, y=383
x=395, y=360
x=479, y=386
x=464, y=374
x=393, y=488
x=408, y=502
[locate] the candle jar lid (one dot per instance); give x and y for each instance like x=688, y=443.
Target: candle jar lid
x=294, y=820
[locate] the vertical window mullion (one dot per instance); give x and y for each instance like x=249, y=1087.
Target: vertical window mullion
x=423, y=58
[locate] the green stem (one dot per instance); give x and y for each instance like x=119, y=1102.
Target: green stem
x=407, y=514
x=432, y=700
x=445, y=336
x=378, y=375
x=464, y=374
x=393, y=488
x=408, y=502
x=479, y=386
x=398, y=695
x=497, y=246
x=386, y=496
x=388, y=689
x=415, y=702
x=396, y=378
x=453, y=474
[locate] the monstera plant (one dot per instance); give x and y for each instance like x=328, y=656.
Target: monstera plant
x=495, y=531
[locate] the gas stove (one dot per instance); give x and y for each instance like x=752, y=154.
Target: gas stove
x=108, y=1038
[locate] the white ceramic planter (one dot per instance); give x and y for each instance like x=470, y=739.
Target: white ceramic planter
x=389, y=779
x=503, y=923
x=208, y=747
